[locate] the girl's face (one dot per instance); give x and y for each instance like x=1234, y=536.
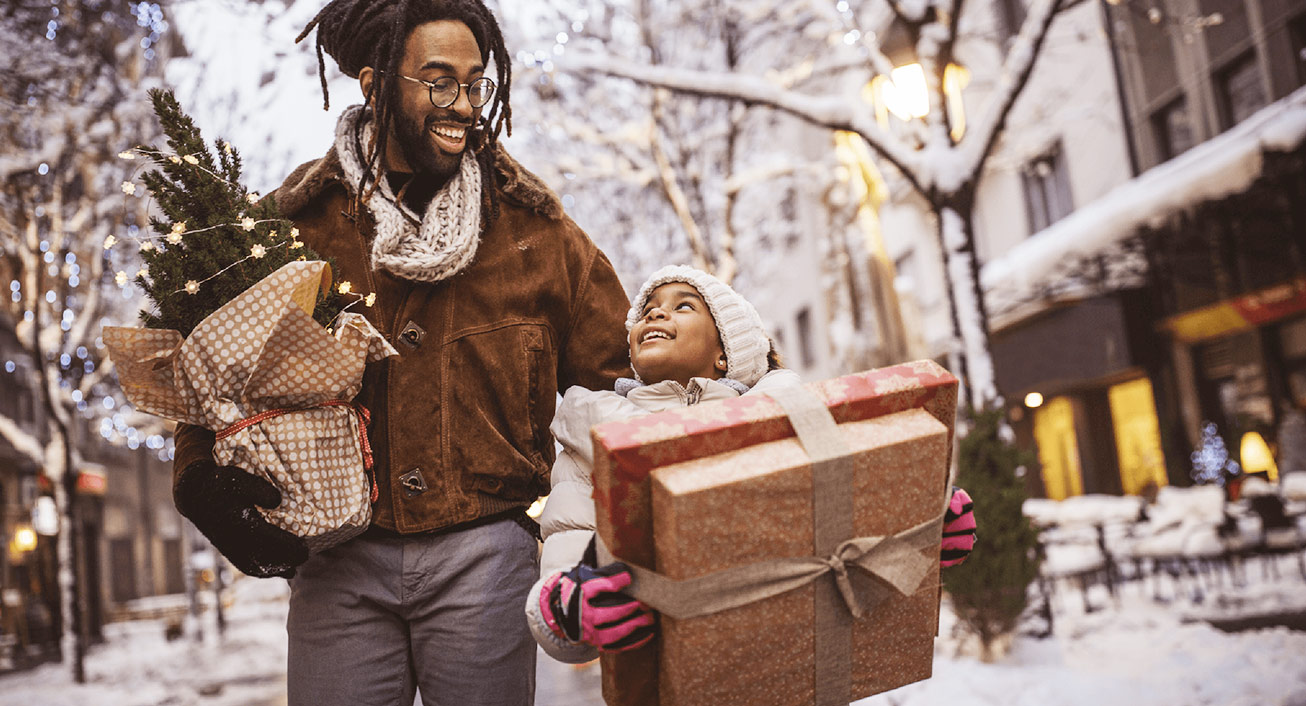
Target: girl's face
x=676, y=337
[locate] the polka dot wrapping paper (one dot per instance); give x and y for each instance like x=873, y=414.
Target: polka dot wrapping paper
x=260, y=352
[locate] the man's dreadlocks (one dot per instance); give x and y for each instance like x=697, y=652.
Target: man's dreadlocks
x=361, y=33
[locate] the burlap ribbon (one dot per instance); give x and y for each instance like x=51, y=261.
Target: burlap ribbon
x=898, y=560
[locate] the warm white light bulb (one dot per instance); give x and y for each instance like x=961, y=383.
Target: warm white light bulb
x=905, y=94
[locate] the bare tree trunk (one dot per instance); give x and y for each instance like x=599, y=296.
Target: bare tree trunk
x=966, y=302
x=217, y=592
x=671, y=186
x=726, y=263
x=63, y=476
x=58, y=464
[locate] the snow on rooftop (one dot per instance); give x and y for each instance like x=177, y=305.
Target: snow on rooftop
x=1224, y=165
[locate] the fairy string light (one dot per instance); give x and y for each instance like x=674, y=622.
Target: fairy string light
x=198, y=191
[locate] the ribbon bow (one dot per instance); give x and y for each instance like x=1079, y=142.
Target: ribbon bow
x=896, y=560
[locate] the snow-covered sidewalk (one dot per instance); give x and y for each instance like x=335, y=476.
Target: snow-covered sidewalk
x=1134, y=652
x=138, y=666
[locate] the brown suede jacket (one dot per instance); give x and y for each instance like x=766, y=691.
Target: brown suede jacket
x=460, y=418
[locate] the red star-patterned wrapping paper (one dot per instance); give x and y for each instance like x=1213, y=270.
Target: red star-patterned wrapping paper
x=705, y=442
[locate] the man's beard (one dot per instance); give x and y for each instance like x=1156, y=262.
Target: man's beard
x=418, y=150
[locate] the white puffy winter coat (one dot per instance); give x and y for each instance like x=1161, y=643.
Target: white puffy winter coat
x=567, y=523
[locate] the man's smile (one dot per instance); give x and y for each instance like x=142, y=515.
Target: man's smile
x=450, y=138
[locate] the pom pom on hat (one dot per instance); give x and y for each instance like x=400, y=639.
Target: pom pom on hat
x=737, y=322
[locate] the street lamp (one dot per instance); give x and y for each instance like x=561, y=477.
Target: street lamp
x=904, y=94
x=24, y=539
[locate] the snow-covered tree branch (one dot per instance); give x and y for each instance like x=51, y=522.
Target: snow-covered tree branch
x=833, y=112
x=930, y=151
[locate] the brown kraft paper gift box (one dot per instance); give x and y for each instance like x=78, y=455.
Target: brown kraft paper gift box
x=737, y=434
x=755, y=504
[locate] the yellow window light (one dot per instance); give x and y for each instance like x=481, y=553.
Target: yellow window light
x=956, y=78
x=1255, y=456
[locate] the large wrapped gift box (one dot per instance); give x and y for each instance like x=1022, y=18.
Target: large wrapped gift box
x=718, y=486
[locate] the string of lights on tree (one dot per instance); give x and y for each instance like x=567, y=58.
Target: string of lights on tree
x=1211, y=462
x=180, y=230
x=214, y=236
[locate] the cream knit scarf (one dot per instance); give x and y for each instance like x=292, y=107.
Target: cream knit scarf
x=424, y=248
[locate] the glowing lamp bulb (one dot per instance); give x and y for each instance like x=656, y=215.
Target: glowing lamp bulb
x=25, y=539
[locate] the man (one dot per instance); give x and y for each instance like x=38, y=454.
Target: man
x=495, y=301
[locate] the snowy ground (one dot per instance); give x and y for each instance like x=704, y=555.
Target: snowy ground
x=1131, y=651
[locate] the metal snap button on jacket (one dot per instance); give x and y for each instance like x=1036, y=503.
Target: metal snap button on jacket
x=413, y=482
x=412, y=334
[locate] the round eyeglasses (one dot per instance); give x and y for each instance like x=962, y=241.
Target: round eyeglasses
x=443, y=91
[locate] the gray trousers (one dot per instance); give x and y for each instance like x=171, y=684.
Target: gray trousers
x=375, y=619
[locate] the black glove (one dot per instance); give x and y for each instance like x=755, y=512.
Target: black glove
x=221, y=501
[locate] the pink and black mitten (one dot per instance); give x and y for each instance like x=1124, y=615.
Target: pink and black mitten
x=958, y=529
x=586, y=605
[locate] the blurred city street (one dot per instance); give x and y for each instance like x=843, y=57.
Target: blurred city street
x=1132, y=650
x=1067, y=236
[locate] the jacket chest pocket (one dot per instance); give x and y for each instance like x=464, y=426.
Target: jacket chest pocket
x=500, y=400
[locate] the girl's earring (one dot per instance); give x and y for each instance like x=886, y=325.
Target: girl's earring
x=722, y=364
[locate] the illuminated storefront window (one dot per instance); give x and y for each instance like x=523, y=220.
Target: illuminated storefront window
x=1138, y=435
x=1058, y=449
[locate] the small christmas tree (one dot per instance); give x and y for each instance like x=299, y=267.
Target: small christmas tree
x=216, y=239
x=1211, y=462
x=989, y=590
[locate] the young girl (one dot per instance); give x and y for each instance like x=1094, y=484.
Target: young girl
x=692, y=339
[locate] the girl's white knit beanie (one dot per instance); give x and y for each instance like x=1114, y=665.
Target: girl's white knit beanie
x=742, y=336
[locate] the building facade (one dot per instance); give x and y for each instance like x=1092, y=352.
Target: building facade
x=132, y=543
x=1141, y=232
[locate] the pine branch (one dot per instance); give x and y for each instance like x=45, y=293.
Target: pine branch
x=217, y=239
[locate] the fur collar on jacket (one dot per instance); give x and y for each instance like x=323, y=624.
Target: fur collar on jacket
x=515, y=184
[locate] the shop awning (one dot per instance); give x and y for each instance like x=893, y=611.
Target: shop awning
x=1225, y=165
x=1240, y=313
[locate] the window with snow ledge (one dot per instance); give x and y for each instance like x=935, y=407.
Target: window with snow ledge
x=904, y=268
x=805, y=346
x=1047, y=189
x=1241, y=89
x=1173, y=129
x=1297, y=32
x=789, y=216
